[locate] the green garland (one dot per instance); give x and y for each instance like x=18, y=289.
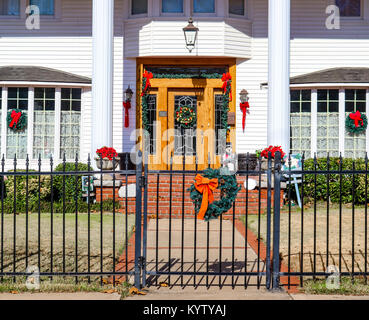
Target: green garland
x=187, y=76
x=229, y=189
x=225, y=106
x=22, y=122
x=186, y=117
x=145, y=106
x=350, y=124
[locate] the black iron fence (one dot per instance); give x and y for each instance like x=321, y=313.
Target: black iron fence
x=50, y=221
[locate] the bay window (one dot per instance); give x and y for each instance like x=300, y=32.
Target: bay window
x=139, y=7
x=54, y=120
x=317, y=122
x=237, y=7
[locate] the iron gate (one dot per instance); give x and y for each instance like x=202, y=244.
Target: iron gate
x=177, y=250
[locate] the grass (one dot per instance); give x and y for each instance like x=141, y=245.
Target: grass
x=356, y=287
x=76, y=257
x=352, y=256
x=60, y=285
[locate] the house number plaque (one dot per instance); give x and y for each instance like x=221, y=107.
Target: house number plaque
x=232, y=118
x=163, y=114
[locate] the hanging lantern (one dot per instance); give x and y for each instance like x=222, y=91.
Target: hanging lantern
x=190, y=33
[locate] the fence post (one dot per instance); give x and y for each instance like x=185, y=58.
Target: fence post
x=138, y=221
x=276, y=221
x=269, y=216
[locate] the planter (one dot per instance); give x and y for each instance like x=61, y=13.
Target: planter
x=264, y=164
x=107, y=164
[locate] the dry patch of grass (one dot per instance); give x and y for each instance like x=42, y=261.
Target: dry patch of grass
x=75, y=246
x=352, y=240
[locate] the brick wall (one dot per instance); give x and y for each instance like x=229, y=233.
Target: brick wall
x=181, y=202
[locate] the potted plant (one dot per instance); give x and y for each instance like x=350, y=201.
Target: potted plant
x=263, y=155
x=105, y=158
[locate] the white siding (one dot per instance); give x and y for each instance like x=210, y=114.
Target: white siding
x=313, y=47
x=66, y=44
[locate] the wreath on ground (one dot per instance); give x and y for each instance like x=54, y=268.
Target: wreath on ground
x=17, y=120
x=356, y=122
x=201, y=193
x=186, y=117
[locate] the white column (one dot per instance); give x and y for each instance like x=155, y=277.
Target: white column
x=102, y=78
x=342, y=118
x=279, y=74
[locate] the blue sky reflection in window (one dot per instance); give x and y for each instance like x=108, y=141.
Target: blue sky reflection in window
x=172, y=6
x=204, y=6
x=9, y=7
x=46, y=6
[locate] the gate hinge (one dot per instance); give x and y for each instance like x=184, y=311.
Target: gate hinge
x=142, y=182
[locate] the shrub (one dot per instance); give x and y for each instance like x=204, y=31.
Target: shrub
x=347, y=186
x=73, y=183
x=21, y=191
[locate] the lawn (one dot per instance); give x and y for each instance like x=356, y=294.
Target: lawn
x=322, y=237
x=98, y=254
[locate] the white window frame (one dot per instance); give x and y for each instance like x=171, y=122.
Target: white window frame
x=341, y=110
x=30, y=116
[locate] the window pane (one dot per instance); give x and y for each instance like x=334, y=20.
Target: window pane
x=237, y=7
x=70, y=120
x=44, y=123
x=46, y=6
x=355, y=144
x=203, y=6
x=17, y=141
x=172, y=5
x=139, y=6
x=9, y=7
x=300, y=122
x=349, y=8
x=328, y=123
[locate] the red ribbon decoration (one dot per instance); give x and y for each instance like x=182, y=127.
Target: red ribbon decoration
x=147, y=76
x=357, y=118
x=127, y=106
x=227, y=78
x=244, y=106
x=15, y=118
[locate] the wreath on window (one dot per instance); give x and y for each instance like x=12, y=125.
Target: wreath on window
x=17, y=120
x=356, y=122
x=201, y=193
x=186, y=117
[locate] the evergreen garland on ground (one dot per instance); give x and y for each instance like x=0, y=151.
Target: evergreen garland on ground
x=362, y=125
x=229, y=189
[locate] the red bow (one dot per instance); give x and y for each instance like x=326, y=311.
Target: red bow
x=357, y=118
x=244, y=106
x=227, y=78
x=15, y=118
x=127, y=106
x=147, y=76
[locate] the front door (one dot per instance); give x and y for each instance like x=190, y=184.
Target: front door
x=189, y=146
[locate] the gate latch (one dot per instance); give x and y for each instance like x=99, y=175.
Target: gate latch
x=142, y=182
x=141, y=262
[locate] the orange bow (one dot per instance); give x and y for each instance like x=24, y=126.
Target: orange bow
x=206, y=187
x=147, y=76
x=357, y=117
x=15, y=118
x=227, y=78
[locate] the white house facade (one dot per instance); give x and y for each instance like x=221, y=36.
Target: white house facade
x=304, y=74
